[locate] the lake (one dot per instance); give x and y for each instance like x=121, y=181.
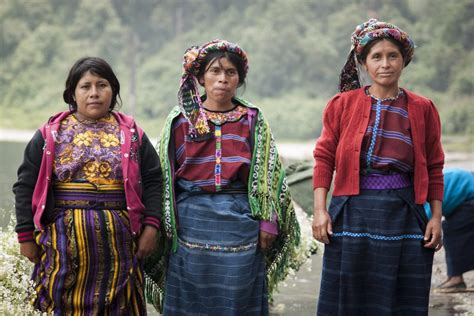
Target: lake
x=10, y=159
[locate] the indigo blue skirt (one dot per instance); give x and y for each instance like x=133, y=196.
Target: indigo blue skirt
x=375, y=263
x=458, y=229
x=217, y=269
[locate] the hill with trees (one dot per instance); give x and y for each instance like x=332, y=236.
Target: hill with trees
x=296, y=49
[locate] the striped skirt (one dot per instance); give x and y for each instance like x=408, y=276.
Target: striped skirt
x=217, y=269
x=458, y=229
x=375, y=263
x=88, y=266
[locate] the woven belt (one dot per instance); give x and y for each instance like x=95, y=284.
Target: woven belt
x=89, y=196
x=223, y=191
x=96, y=205
x=381, y=181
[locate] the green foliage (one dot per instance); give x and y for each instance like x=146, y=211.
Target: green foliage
x=296, y=50
x=301, y=116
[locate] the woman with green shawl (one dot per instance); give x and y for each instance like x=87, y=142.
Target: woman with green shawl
x=229, y=223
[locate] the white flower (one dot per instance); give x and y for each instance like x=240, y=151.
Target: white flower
x=15, y=270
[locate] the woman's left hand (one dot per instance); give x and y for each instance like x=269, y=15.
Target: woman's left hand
x=266, y=240
x=433, y=235
x=146, y=242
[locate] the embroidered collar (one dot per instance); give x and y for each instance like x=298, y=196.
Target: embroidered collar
x=220, y=118
x=106, y=119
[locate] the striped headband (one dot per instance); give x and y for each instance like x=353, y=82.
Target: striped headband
x=363, y=35
x=189, y=99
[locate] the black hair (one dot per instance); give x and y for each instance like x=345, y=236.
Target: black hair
x=96, y=66
x=368, y=47
x=235, y=59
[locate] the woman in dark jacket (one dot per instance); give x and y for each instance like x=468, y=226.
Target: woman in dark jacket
x=88, y=201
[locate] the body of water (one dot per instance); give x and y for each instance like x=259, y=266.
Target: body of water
x=10, y=159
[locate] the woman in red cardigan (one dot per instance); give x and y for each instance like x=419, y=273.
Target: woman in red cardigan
x=384, y=144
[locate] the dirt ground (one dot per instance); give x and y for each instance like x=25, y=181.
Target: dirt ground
x=452, y=303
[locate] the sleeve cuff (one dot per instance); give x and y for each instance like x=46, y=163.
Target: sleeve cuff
x=435, y=195
x=152, y=221
x=321, y=182
x=269, y=227
x=25, y=236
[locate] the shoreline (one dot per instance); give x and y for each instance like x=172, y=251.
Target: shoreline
x=15, y=135
x=293, y=151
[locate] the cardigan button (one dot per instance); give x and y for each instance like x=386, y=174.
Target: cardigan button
x=43, y=206
x=132, y=130
x=48, y=152
x=125, y=155
x=129, y=208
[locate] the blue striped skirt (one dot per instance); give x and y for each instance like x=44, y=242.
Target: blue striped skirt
x=458, y=229
x=375, y=263
x=218, y=268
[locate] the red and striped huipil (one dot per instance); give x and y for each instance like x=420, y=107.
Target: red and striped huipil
x=217, y=159
x=387, y=144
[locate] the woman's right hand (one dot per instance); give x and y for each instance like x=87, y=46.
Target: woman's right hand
x=146, y=242
x=30, y=250
x=322, y=227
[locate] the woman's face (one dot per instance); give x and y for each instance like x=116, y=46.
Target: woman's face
x=93, y=95
x=384, y=64
x=220, y=81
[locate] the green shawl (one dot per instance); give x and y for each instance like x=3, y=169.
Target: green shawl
x=268, y=195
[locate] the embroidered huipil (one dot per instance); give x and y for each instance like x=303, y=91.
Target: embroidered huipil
x=387, y=143
x=219, y=158
x=88, y=152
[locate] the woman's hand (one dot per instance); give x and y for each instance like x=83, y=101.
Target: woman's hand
x=30, y=250
x=266, y=240
x=322, y=227
x=146, y=242
x=433, y=235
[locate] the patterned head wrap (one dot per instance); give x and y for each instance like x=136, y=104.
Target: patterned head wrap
x=364, y=34
x=189, y=100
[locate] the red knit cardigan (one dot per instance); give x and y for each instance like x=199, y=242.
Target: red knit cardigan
x=345, y=121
